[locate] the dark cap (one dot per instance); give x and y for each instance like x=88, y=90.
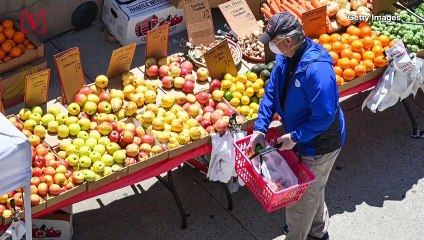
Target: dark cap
x=279, y=24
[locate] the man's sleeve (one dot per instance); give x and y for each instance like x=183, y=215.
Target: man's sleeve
x=321, y=92
x=267, y=106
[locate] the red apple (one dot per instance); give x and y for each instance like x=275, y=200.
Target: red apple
x=167, y=82
x=139, y=132
x=114, y=136
x=48, y=179
x=210, y=129
x=35, y=181
x=50, y=156
x=215, y=116
x=27, y=133
x=86, y=90
x=200, y=118
x=189, y=77
x=52, y=163
x=147, y=139
x=211, y=103
x=152, y=71
x=203, y=97
x=174, y=58
x=187, y=64
x=18, y=199
x=37, y=172
x=207, y=116
x=127, y=137
x=41, y=150
x=206, y=123
x=215, y=85
x=68, y=174
x=142, y=156
x=229, y=112
x=129, y=161
x=49, y=171
x=188, y=86
x=222, y=106
x=186, y=106
x=185, y=71
x=132, y=150
x=163, y=71
x=82, y=115
x=70, y=185
x=137, y=141
x=43, y=189
x=220, y=125
x=39, y=161
x=54, y=190
x=18, y=126
x=105, y=96
x=202, y=74
x=208, y=109
x=35, y=199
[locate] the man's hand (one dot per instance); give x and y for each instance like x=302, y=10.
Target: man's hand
x=256, y=138
x=287, y=141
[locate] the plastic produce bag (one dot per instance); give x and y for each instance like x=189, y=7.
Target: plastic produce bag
x=221, y=165
x=275, y=171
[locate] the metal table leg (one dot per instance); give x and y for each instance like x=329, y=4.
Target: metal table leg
x=416, y=133
x=169, y=184
x=229, y=197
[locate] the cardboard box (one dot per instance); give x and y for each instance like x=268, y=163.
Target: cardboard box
x=55, y=226
x=13, y=82
x=357, y=81
x=29, y=55
x=130, y=22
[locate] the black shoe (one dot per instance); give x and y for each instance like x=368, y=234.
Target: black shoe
x=325, y=237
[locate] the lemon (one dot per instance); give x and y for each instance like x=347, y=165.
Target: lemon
x=245, y=100
x=233, y=79
x=226, y=84
x=249, y=92
x=235, y=102
x=256, y=87
x=260, y=93
x=240, y=87
x=254, y=106
x=251, y=76
x=260, y=82
x=241, y=78
x=237, y=95
x=251, y=112
x=232, y=88
x=228, y=76
x=248, y=84
x=244, y=110
x=255, y=115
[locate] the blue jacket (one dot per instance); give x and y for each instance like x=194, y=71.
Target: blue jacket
x=312, y=102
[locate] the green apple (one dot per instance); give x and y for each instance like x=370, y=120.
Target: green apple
x=74, y=129
x=89, y=176
x=74, y=109
x=84, y=151
x=72, y=160
x=53, y=110
x=71, y=149
x=84, y=123
x=99, y=166
x=71, y=119
x=95, y=134
x=40, y=131
x=102, y=117
x=79, y=142
x=62, y=154
x=112, y=147
x=113, y=117
x=90, y=107
x=30, y=125
x=84, y=162
x=63, y=131
x=104, y=141
x=119, y=156
x=117, y=166
x=97, y=175
x=100, y=149
x=24, y=114
x=61, y=118
x=95, y=156
x=36, y=117
x=64, y=144
x=107, y=159
x=107, y=171
x=37, y=109
x=46, y=119
x=53, y=126
x=91, y=142
x=83, y=135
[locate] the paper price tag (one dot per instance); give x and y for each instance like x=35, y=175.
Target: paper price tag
x=199, y=22
x=220, y=61
x=121, y=60
x=239, y=17
x=37, y=88
x=157, y=42
x=71, y=75
x=314, y=22
x=1, y=100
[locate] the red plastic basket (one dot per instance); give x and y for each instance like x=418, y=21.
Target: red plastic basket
x=269, y=199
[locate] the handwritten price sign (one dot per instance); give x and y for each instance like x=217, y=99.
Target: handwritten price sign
x=239, y=17
x=121, y=60
x=220, y=61
x=199, y=22
x=157, y=42
x=36, y=88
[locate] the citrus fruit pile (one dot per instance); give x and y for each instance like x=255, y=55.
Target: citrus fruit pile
x=355, y=52
x=244, y=92
x=13, y=43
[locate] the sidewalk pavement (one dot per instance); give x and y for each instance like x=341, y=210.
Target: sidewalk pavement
x=375, y=191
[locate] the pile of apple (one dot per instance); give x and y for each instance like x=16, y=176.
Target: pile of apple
x=170, y=124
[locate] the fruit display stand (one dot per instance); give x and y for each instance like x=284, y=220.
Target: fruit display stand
x=15, y=165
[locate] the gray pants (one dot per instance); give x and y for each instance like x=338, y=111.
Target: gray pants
x=310, y=215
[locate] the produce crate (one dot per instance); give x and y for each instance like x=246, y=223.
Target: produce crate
x=357, y=81
x=53, y=200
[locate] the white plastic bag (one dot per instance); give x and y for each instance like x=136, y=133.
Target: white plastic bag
x=275, y=171
x=221, y=165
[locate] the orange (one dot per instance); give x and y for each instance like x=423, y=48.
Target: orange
x=346, y=53
x=335, y=57
x=337, y=47
x=365, y=31
x=393, y=42
x=2, y=38
x=26, y=42
x=11, y=42
x=7, y=24
x=368, y=42
x=377, y=42
x=348, y=74
x=345, y=37
x=15, y=52
x=360, y=70
x=385, y=40
x=338, y=70
x=353, y=63
x=363, y=24
x=386, y=48
x=9, y=32
x=346, y=46
x=377, y=50
x=357, y=46
x=380, y=61
x=19, y=37
x=327, y=46
x=368, y=64
x=335, y=37
x=324, y=38
x=352, y=30
x=353, y=38
x=357, y=56
x=2, y=55
x=316, y=40
x=1, y=28
x=343, y=63
x=339, y=80
x=30, y=46
x=22, y=47
x=368, y=55
x=6, y=47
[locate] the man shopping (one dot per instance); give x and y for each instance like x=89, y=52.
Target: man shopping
x=303, y=91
